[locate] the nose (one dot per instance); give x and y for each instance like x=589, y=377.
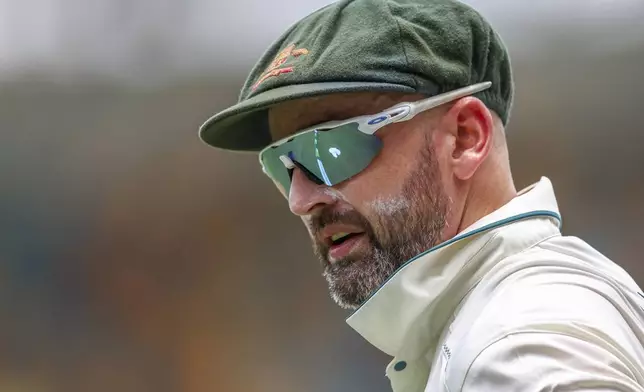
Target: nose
x=305, y=196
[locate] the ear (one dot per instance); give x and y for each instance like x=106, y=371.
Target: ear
x=471, y=126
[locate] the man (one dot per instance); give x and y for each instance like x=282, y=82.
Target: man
x=383, y=124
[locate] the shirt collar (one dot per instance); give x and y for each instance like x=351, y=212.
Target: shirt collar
x=418, y=299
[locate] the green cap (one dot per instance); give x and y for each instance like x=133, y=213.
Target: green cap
x=410, y=46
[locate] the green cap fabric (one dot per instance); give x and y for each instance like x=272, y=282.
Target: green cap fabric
x=410, y=46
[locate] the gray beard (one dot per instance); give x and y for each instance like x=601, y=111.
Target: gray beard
x=403, y=233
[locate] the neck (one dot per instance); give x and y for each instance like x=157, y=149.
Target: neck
x=484, y=198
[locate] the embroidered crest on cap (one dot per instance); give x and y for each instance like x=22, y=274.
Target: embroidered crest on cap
x=275, y=68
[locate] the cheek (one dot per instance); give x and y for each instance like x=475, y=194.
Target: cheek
x=382, y=180
x=378, y=190
x=391, y=167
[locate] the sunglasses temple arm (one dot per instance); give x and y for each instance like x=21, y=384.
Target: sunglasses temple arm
x=441, y=99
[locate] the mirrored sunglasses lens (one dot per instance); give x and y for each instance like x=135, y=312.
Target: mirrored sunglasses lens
x=343, y=152
x=331, y=155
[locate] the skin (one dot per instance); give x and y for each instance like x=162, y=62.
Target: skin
x=436, y=175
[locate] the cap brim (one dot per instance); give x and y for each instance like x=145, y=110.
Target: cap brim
x=244, y=127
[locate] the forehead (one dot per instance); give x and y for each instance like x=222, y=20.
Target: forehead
x=289, y=117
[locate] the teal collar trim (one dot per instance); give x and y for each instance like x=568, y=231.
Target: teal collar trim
x=487, y=227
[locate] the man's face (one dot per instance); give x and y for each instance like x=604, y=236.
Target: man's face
x=393, y=210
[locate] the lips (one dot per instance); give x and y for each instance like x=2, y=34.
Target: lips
x=335, y=234
x=340, y=240
x=344, y=248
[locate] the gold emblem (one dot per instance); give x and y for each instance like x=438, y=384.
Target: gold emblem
x=276, y=68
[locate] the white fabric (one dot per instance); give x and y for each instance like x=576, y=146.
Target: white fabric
x=509, y=305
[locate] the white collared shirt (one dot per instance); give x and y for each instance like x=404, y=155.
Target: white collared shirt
x=509, y=305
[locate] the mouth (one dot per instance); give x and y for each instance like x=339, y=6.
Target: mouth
x=341, y=237
x=342, y=244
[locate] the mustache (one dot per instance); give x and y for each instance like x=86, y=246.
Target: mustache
x=330, y=216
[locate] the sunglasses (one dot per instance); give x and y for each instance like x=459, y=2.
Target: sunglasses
x=335, y=151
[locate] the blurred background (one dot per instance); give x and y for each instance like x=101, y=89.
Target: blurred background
x=135, y=258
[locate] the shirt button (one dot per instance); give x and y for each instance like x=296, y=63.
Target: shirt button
x=400, y=366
